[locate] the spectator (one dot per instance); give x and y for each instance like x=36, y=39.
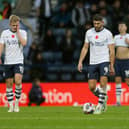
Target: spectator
x=67, y=47
x=117, y=14
x=7, y=10
x=87, y=26
x=38, y=67
x=32, y=52
x=49, y=42
x=36, y=93
x=80, y=15
x=106, y=18
x=63, y=17
x=126, y=20
x=23, y=8
x=44, y=13
x=93, y=9
x=103, y=4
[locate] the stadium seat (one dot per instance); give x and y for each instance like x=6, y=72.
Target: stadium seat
x=68, y=68
x=59, y=32
x=52, y=77
x=48, y=57
x=76, y=55
x=66, y=77
x=80, y=77
x=53, y=68
x=78, y=44
x=57, y=56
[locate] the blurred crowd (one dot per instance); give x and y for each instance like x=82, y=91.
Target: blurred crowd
x=60, y=30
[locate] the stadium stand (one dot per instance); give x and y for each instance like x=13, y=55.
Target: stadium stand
x=55, y=69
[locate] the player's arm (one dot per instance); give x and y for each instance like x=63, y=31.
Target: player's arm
x=22, y=40
x=127, y=40
x=112, y=57
x=1, y=46
x=82, y=56
x=1, y=50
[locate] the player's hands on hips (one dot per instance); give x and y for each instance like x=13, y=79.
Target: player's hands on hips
x=112, y=71
x=80, y=67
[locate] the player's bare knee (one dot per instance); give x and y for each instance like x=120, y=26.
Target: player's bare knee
x=9, y=83
x=103, y=84
x=18, y=82
x=127, y=83
x=92, y=85
x=118, y=80
x=92, y=88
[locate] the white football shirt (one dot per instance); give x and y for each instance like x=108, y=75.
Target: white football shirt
x=99, y=41
x=13, y=48
x=120, y=40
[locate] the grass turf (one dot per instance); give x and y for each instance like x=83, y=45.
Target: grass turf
x=64, y=118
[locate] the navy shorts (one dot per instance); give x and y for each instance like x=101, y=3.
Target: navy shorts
x=94, y=71
x=122, y=68
x=11, y=70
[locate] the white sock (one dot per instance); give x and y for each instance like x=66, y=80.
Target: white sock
x=9, y=94
x=103, y=89
x=118, y=93
x=102, y=95
x=96, y=91
x=18, y=93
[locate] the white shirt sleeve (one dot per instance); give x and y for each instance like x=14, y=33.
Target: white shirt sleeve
x=110, y=38
x=2, y=38
x=86, y=38
x=114, y=40
x=128, y=36
x=24, y=34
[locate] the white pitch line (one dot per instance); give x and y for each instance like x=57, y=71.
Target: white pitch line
x=62, y=118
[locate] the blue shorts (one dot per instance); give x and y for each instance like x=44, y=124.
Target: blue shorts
x=11, y=70
x=122, y=68
x=96, y=70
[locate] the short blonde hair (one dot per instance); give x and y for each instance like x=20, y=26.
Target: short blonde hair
x=14, y=19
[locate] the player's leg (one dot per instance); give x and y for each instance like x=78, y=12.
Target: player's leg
x=102, y=96
x=92, y=87
x=103, y=92
x=118, y=81
x=125, y=70
x=8, y=74
x=127, y=81
x=9, y=93
x=92, y=80
x=104, y=72
x=18, y=85
x=18, y=90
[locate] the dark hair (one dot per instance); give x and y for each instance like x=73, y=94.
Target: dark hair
x=97, y=17
x=122, y=22
x=36, y=79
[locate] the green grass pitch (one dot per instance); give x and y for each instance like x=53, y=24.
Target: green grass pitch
x=64, y=118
